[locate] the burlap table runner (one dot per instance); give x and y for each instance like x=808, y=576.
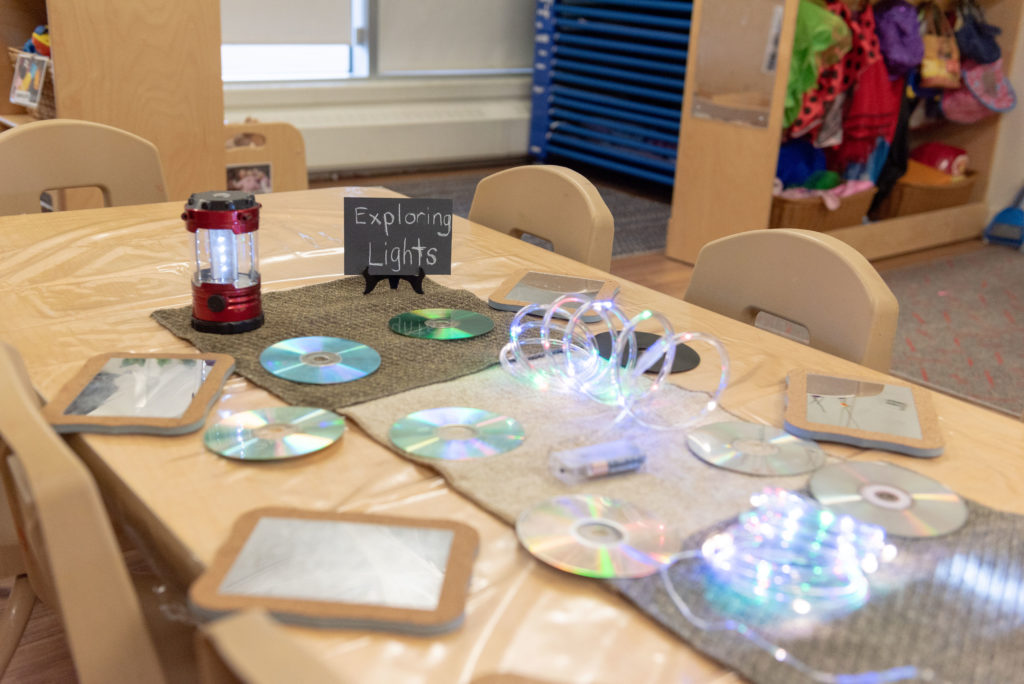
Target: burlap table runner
x=673, y=485
x=947, y=609
x=340, y=309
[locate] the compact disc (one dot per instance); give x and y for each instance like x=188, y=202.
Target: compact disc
x=900, y=501
x=754, y=449
x=596, y=536
x=441, y=324
x=274, y=433
x=320, y=360
x=452, y=433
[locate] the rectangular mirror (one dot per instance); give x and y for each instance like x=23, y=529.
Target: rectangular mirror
x=144, y=393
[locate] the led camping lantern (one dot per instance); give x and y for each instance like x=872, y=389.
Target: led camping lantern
x=226, y=280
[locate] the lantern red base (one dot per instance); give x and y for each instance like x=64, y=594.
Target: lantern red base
x=226, y=309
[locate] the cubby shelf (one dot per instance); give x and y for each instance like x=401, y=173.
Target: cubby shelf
x=149, y=68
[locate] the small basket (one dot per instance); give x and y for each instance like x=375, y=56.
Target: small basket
x=47, y=108
x=812, y=214
x=916, y=198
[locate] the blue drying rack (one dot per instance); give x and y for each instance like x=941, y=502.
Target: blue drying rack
x=608, y=83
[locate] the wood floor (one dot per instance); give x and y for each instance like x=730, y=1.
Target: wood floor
x=43, y=656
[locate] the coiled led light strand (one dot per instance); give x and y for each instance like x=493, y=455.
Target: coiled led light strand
x=792, y=553
x=791, y=557
x=556, y=351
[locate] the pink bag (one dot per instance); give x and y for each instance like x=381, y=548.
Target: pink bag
x=986, y=91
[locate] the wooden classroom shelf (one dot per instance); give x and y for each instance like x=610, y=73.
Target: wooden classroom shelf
x=149, y=68
x=725, y=168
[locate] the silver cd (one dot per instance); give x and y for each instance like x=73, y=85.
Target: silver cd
x=596, y=536
x=754, y=449
x=274, y=433
x=902, y=502
x=320, y=360
x=453, y=433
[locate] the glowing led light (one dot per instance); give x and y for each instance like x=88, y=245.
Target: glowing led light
x=223, y=259
x=732, y=556
x=558, y=352
x=780, y=545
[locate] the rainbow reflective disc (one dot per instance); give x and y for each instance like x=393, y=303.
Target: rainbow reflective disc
x=596, y=536
x=754, y=449
x=274, y=433
x=898, y=500
x=455, y=434
x=320, y=360
x=441, y=324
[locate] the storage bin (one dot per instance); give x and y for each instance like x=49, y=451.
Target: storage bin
x=915, y=198
x=47, y=108
x=812, y=214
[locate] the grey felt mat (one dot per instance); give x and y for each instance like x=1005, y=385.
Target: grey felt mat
x=339, y=309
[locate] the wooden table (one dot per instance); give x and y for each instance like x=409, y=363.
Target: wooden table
x=77, y=284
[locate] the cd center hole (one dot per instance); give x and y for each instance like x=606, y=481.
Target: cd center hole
x=320, y=358
x=453, y=433
x=888, y=497
x=273, y=432
x=599, y=533
x=439, y=323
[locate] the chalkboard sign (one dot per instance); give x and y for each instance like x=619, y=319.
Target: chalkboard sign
x=392, y=236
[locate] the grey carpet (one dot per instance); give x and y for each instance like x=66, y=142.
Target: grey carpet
x=640, y=222
x=961, y=326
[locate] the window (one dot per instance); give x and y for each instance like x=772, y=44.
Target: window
x=298, y=40
x=310, y=40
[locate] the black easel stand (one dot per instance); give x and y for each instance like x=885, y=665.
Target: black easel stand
x=416, y=281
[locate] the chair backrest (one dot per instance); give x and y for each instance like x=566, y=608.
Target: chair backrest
x=57, y=154
x=271, y=153
x=803, y=277
x=550, y=202
x=75, y=561
x=250, y=647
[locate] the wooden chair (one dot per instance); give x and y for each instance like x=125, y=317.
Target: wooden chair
x=73, y=557
x=550, y=202
x=58, y=154
x=785, y=276
x=278, y=146
x=251, y=647
x=17, y=607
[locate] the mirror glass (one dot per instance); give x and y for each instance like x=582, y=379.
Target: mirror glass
x=734, y=72
x=342, y=561
x=142, y=387
x=866, y=406
x=544, y=288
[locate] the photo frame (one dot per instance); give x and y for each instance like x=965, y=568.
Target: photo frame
x=28, y=79
x=153, y=393
x=253, y=178
x=329, y=569
x=874, y=415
